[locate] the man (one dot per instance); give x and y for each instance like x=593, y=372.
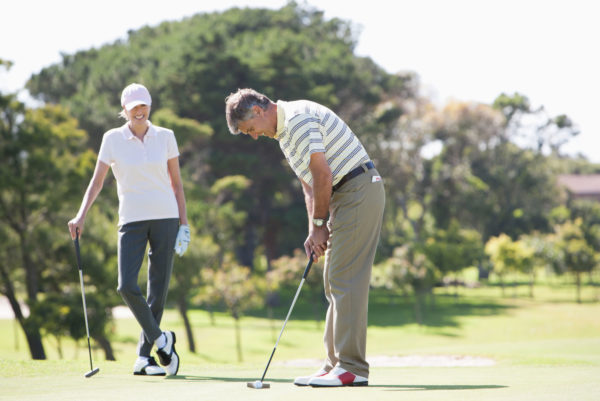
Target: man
x=337, y=179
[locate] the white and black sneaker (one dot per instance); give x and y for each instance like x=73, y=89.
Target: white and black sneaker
x=147, y=366
x=167, y=355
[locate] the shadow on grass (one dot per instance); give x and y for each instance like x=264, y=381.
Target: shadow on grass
x=441, y=311
x=389, y=387
x=389, y=309
x=225, y=379
x=425, y=387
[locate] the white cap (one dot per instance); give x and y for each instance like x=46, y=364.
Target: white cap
x=134, y=95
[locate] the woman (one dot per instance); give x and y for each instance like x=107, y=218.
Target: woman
x=145, y=162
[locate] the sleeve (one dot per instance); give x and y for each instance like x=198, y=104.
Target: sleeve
x=316, y=144
x=172, y=150
x=105, y=152
x=307, y=135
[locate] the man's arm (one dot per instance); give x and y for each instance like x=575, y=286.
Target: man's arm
x=317, y=204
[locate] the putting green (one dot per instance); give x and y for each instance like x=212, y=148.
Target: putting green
x=61, y=381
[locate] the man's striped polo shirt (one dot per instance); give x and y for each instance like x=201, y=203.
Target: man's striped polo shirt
x=305, y=127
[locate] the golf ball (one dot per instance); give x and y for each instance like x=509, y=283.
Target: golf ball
x=258, y=384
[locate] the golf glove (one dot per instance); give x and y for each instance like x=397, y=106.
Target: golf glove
x=183, y=239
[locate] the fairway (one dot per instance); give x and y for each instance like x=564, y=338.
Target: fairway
x=478, y=346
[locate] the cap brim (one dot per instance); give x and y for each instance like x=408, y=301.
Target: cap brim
x=131, y=105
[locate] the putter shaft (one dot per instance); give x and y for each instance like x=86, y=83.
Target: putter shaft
x=87, y=328
x=306, y=270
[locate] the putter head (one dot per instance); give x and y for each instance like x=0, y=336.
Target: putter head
x=258, y=385
x=92, y=372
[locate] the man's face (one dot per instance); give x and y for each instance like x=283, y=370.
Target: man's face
x=258, y=125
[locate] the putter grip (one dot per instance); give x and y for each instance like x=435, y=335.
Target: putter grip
x=77, y=253
x=308, y=266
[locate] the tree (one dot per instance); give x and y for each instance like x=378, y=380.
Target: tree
x=534, y=128
x=43, y=160
x=485, y=181
x=577, y=255
x=287, y=272
x=188, y=277
x=453, y=249
x=407, y=267
x=509, y=256
x=237, y=289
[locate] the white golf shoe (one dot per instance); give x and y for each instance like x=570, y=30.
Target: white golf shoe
x=147, y=366
x=167, y=355
x=303, y=380
x=338, y=377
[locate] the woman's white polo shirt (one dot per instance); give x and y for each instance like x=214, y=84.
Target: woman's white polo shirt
x=143, y=181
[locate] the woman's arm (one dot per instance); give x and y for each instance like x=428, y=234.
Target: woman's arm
x=93, y=189
x=177, y=184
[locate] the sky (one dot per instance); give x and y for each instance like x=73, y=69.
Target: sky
x=466, y=50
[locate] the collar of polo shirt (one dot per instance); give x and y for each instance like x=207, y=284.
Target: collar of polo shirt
x=280, y=119
x=129, y=135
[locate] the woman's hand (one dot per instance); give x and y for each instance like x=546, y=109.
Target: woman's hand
x=76, y=226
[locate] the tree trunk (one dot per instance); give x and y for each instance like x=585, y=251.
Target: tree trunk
x=31, y=330
x=238, y=338
x=31, y=277
x=578, y=279
x=34, y=340
x=182, y=306
x=104, y=343
x=245, y=252
x=531, y=281
x=271, y=323
x=419, y=306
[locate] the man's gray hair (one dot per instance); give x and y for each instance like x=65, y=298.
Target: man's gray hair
x=238, y=107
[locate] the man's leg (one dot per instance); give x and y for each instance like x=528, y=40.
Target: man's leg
x=357, y=212
x=328, y=340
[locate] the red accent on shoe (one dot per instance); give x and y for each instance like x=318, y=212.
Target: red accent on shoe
x=347, y=378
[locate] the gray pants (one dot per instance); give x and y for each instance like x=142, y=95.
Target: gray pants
x=355, y=218
x=133, y=237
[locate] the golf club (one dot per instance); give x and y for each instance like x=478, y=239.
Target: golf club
x=92, y=371
x=259, y=383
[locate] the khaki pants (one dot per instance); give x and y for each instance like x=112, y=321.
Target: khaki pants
x=356, y=212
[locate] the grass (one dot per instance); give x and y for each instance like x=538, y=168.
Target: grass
x=545, y=348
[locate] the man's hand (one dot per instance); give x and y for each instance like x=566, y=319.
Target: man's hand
x=183, y=239
x=316, y=242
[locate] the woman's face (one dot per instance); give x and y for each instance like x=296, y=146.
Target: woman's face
x=139, y=114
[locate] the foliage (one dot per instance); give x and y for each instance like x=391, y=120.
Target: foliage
x=407, y=267
x=534, y=128
x=453, y=249
x=234, y=287
x=287, y=272
x=45, y=164
x=577, y=254
x=190, y=66
x=510, y=256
